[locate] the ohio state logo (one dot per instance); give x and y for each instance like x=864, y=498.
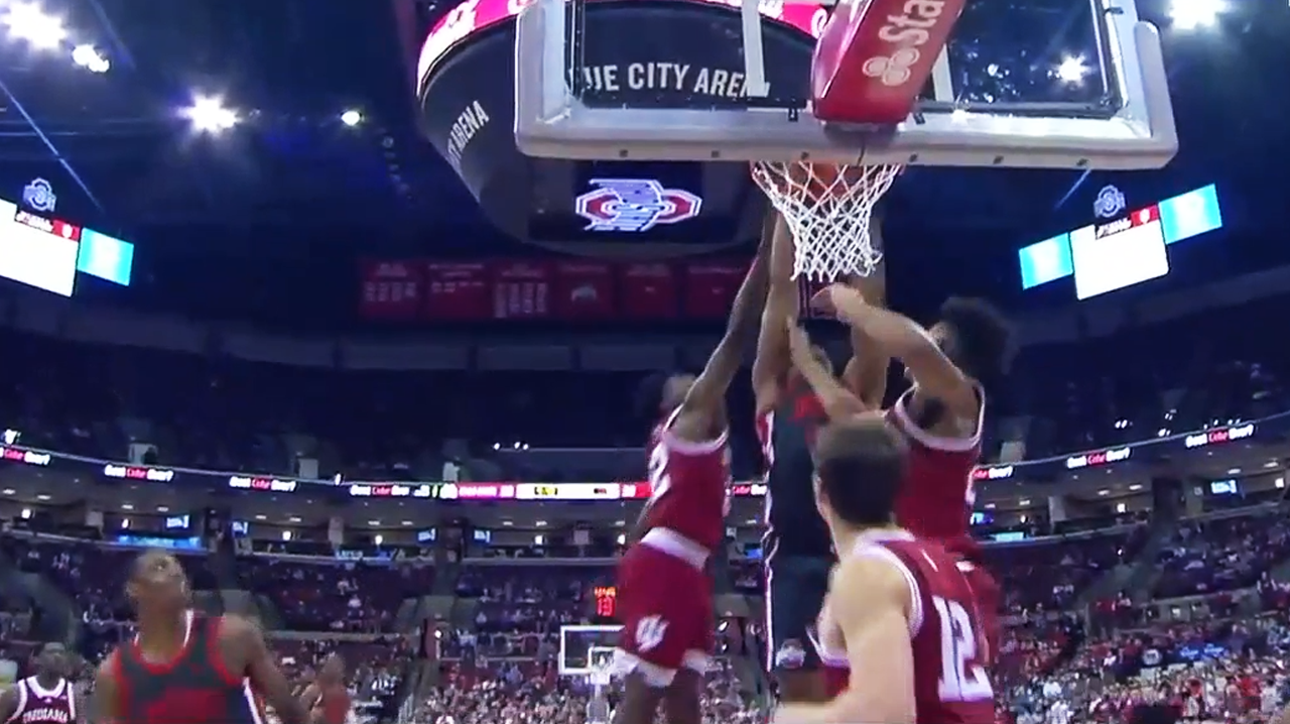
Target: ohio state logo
x=634, y=205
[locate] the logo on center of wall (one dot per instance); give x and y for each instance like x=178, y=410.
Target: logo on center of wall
x=634, y=205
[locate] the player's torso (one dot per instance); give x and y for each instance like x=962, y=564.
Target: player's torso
x=936, y=500
x=951, y=685
x=37, y=705
x=787, y=436
x=689, y=486
x=192, y=688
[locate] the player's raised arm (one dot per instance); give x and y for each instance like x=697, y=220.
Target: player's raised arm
x=703, y=399
x=937, y=376
x=837, y=400
x=772, y=361
x=866, y=372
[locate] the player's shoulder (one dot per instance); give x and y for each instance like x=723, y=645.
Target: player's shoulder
x=109, y=668
x=236, y=628
x=874, y=570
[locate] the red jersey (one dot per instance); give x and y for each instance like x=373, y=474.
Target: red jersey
x=334, y=705
x=689, y=485
x=38, y=705
x=936, y=500
x=195, y=687
x=945, y=629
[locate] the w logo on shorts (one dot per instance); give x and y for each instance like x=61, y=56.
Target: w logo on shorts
x=895, y=70
x=649, y=632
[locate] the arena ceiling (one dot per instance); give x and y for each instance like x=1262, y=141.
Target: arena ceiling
x=125, y=153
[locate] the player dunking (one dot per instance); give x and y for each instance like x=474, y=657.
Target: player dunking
x=186, y=667
x=797, y=548
x=664, y=594
x=899, y=609
x=47, y=697
x=941, y=415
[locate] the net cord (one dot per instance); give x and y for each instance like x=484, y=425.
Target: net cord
x=828, y=209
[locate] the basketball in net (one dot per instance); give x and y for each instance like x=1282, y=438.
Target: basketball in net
x=828, y=208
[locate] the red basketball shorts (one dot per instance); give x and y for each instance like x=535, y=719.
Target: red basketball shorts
x=665, y=606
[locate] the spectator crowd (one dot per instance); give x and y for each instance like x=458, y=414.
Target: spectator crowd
x=1196, y=622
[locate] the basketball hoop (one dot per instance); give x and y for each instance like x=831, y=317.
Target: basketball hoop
x=600, y=673
x=828, y=208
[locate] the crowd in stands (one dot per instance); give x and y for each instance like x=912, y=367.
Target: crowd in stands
x=1216, y=649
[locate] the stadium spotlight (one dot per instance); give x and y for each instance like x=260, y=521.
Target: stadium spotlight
x=351, y=118
x=1072, y=70
x=90, y=59
x=209, y=115
x=28, y=22
x=1196, y=14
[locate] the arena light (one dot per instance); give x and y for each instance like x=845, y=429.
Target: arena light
x=209, y=115
x=28, y=22
x=1073, y=70
x=90, y=59
x=1196, y=14
x=351, y=118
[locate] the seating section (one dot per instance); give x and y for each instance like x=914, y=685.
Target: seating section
x=1202, y=591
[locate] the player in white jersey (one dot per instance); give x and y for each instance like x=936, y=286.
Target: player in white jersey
x=47, y=697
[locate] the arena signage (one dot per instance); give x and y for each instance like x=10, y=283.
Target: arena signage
x=634, y=205
x=657, y=53
x=1051, y=468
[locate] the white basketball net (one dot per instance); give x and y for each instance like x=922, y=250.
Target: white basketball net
x=828, y=214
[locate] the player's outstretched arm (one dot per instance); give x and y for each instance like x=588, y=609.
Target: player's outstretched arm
x=838, y=401
x=905, y=340
x=702, y=401
x=866, y=372
x=772, y=360
x=263, y=671
x=873, y=603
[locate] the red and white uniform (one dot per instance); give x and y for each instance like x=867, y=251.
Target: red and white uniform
x=38, y=705
x=664, y=593
x=936, y=500
x=951, y=685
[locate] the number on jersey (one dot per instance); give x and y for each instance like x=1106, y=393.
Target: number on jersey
x=659, y=480
x=962, y=678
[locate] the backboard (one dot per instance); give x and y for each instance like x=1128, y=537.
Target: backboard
x=1024, y=83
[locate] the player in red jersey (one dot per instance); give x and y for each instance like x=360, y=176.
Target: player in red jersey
x=186, y=668
x=47, y=697
x=899, y=608
x=326, y=698
x=941, y=415
x=664, y=594
x=798, y=553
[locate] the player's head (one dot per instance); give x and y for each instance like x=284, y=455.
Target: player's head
x=333, y=669
x=975, y=336
x=158, y=582
x=859, y=468
x=51, y=660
